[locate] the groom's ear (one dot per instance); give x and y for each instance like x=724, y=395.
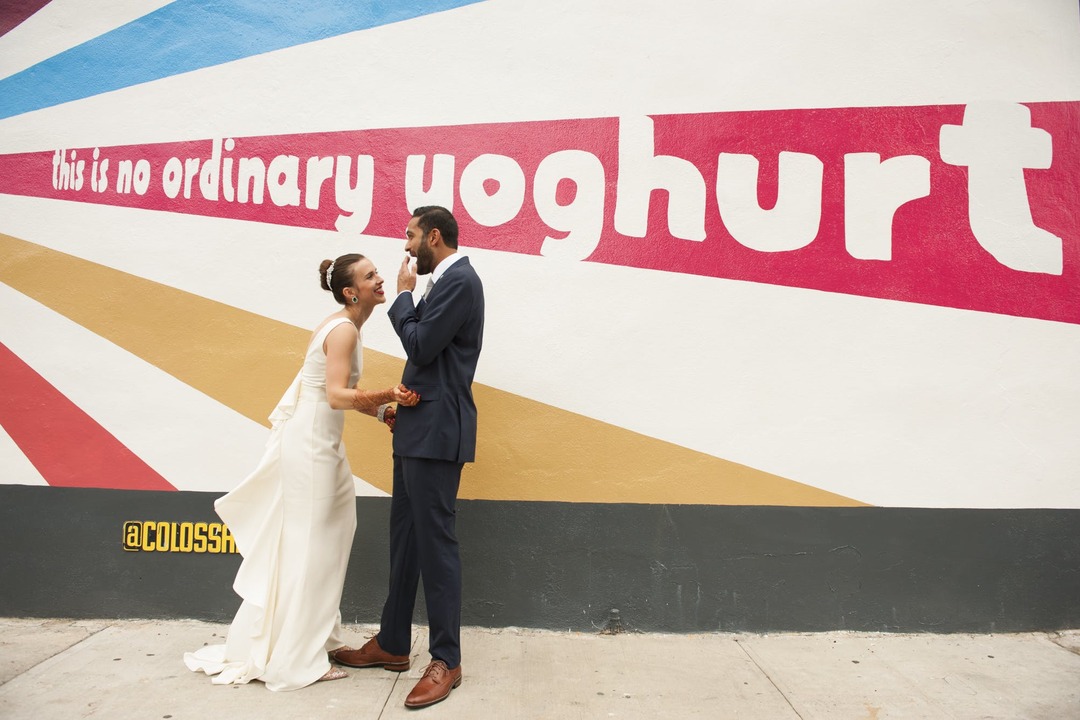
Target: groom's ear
x=436, y=237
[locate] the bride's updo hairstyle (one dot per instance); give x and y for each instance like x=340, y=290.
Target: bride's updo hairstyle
x=335, y=275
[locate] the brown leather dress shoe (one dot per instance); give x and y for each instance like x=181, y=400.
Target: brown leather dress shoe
x=436, y=685
x=371, y=655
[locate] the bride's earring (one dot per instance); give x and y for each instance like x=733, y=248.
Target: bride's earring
x=355, y=299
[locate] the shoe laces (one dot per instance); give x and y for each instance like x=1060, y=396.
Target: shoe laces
x=434, y=669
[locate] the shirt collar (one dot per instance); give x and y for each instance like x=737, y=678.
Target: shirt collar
x=442, y=267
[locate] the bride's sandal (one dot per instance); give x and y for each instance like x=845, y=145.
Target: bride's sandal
x=334, y=673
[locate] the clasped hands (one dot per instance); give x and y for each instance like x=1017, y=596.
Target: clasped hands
x=403, y=396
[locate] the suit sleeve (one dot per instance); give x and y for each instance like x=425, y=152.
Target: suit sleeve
x=444, y=314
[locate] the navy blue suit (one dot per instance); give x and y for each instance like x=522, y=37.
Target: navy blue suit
x=442, y=336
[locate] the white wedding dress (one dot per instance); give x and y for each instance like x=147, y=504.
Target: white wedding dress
x=293, y=519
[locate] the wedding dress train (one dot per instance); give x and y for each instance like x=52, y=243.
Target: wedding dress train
x=293, y=520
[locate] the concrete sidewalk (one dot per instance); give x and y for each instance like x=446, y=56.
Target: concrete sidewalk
x=61, y=669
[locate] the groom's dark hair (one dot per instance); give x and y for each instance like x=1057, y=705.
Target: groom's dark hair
x=435, y=216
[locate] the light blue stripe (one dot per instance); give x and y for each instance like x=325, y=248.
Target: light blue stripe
x=192, y=34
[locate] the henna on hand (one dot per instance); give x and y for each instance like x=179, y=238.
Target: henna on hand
x=405, y=396
x=364, y=400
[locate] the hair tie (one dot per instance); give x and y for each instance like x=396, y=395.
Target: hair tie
x=329, y=272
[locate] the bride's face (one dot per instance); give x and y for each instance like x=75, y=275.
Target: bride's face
x=368, y=284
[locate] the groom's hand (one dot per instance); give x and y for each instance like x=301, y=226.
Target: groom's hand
x=405, y=396
x=406, y=277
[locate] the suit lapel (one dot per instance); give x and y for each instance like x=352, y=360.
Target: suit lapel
x=423, y=301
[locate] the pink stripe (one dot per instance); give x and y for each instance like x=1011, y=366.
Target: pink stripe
x=936, y=256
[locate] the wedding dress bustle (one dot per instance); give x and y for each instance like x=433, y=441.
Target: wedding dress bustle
x=293, y=519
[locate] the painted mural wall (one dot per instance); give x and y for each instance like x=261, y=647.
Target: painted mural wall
x=735, y=253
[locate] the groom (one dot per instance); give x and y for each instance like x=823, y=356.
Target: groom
x=442, y=336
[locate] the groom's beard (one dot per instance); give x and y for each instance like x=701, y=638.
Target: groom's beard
x=425, y=260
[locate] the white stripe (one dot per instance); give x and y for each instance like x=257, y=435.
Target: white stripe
x=61, y=25
x=704, y=57
x=891, y=403
x=190, y=439
x=15, y=467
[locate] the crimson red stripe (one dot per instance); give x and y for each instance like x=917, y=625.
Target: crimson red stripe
x=14, y=12
x=67, y=446
x=902, y=232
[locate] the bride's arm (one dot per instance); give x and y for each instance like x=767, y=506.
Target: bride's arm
x=340, y=343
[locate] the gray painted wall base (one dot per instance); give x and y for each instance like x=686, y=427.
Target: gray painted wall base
x=675, y=568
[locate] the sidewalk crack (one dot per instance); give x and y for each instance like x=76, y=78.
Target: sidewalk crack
x=1067, y=644
x=765, y=672
x=59, y=652
x=386, y=702
x=397, y=678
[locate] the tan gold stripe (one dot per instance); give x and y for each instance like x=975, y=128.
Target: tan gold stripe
x=527, y=450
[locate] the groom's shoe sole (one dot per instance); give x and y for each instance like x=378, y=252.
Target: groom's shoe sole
x=399, y=666
x=392, y=667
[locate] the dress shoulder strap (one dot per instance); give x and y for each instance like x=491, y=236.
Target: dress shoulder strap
x=320, y=336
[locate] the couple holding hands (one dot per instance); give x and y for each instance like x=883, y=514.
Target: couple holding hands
x=294, y=517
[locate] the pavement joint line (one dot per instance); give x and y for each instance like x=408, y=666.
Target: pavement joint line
x=386, y=700
x=397, y=678
x=1056, y=638
x=768, y=677
x=105, y=626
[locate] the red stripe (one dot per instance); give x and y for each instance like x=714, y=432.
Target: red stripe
x=67, y=446
x=14, y=12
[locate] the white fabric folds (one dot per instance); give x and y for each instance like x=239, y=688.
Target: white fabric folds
x=293, y=519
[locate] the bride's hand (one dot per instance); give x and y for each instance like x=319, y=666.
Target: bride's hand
x=405, y=396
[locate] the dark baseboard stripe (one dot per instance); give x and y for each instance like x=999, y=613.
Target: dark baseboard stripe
x=671, y=568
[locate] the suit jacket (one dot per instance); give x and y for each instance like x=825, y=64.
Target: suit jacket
x=442, y=336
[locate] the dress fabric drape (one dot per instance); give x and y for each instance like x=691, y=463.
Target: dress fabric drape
x=293, y=519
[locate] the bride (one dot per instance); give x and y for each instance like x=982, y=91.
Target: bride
x=294, y=517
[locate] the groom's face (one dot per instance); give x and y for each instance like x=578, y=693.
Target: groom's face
x=425, y=256
x=417, y=245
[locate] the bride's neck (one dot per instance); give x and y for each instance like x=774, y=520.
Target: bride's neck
x=358, y=314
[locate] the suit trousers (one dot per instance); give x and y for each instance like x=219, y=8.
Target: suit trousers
x=424, y=545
